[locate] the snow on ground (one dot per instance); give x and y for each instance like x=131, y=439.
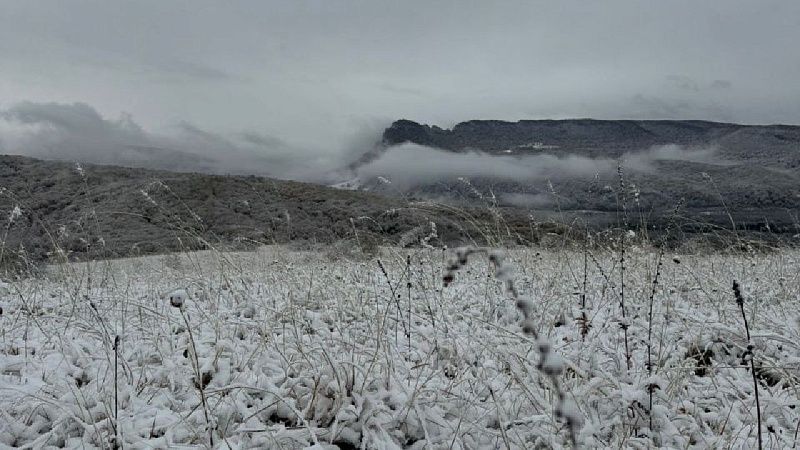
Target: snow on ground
x=283, y=349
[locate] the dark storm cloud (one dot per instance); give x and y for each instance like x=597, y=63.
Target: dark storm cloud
x=316, y=73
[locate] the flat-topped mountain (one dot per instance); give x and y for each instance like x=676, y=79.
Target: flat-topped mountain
x=609, y=137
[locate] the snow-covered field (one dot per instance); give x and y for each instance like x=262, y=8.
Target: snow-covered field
x=283, y=349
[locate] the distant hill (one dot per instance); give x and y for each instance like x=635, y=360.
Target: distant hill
x=107, y=211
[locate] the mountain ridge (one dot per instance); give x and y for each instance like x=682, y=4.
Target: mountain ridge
x=586, y=135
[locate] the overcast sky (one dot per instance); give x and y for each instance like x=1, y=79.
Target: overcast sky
x=314, y=74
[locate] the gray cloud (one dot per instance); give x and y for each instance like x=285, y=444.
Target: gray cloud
x=194, y=70
x=313, y=72
x=691, y=85
x=410, y=164
x=684, y=82
x=407, y=165
x=665, y=107
x=721, y=84
x=78, y=132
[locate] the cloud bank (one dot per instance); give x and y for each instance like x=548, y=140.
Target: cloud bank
x=77, y=132
x=408, y=165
